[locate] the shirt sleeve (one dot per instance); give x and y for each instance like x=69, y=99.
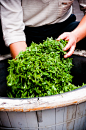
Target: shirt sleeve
x=12, y=21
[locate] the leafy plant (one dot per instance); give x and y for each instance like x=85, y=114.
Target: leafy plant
x=39, y=71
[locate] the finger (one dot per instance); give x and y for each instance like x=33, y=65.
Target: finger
x=69, y=45
x=62, y=36
x=71, y=51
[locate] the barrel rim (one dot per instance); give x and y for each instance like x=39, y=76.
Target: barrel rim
x=42, y=103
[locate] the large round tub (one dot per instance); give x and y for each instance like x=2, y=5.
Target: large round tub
x=58, y=112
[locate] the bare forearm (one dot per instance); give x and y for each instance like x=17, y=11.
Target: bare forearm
x=16, y=47
x=80, y=31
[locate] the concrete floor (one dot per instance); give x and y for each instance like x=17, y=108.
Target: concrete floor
x=76, y=10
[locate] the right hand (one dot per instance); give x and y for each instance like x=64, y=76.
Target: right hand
x=71, y=45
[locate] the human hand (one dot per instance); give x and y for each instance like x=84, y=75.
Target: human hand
x=72, y=40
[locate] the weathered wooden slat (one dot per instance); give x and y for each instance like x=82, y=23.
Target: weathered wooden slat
x=80, y=116
x=17, y=119
x=59, y=118
x=59, y=127
x=70, y=113
x=48, y=120
x=69, y=116
x=68, y=126
x=5, y=119
x=31, y=118
x=84, y=123
x=0, y=123
x=77, y=124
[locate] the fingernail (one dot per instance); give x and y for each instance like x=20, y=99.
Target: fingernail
x=65, y=56
x=64, y=49
x=58, y=39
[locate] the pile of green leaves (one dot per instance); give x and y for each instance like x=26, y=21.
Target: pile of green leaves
x=41, y=70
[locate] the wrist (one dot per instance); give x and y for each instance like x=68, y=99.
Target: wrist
x=16, y=47
x=76, y=36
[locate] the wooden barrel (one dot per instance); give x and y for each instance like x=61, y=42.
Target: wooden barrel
x=58, y=112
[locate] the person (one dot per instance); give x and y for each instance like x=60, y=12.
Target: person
x=24, y=21
x=73, y=37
